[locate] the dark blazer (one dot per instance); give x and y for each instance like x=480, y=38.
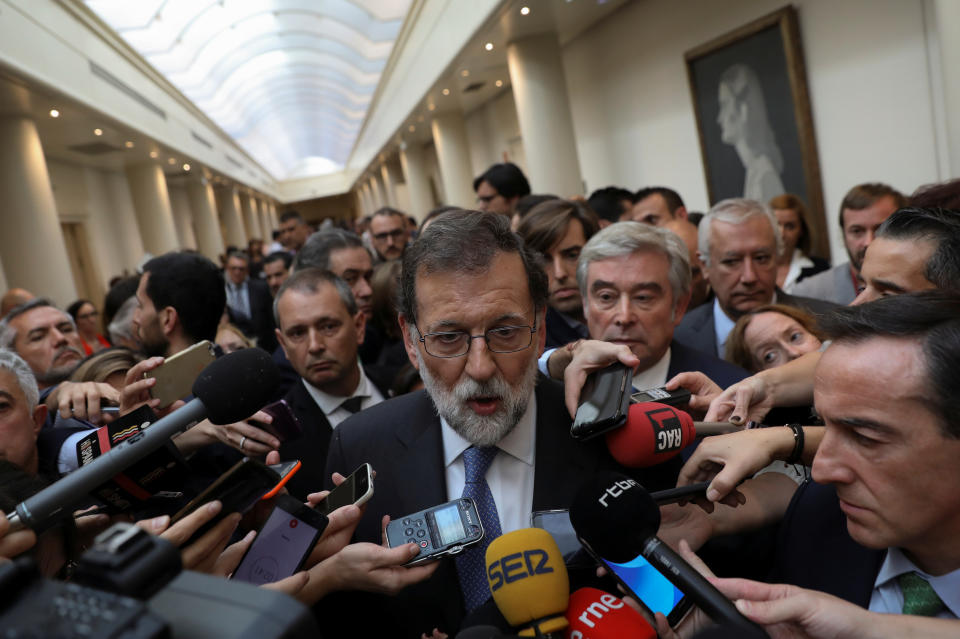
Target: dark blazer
x=312, y=446
x=559, y=331
x=815, y=550
x=401, y=438
x=260, y=324
x=684, y=359
x=696, y=328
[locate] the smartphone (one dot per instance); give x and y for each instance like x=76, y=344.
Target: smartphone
x=676, y=398
x=440, y=531
x=604, y=402
x=644, y=583
x=356, y=489
x=282, y=544
x=285, y=424
x=238, y=490
x=557, y=523
x=176, y=375
x=285, y=470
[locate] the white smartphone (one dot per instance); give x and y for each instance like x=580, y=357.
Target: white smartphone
x=357, y=489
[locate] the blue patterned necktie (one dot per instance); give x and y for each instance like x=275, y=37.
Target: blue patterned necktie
x=471, y=564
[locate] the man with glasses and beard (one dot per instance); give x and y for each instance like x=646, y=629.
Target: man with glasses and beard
x=486, y=426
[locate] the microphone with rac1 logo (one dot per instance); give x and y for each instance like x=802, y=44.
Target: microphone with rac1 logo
x=619, y=520
x=528, y=581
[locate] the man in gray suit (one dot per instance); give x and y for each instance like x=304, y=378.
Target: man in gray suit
x=739, y=244
x=864, y=208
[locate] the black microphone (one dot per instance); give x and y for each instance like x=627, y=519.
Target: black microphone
x=598, y=513
x=228, y=390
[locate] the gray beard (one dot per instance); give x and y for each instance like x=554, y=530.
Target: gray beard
x=451, y=404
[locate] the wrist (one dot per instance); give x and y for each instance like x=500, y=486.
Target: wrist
x=559, y=360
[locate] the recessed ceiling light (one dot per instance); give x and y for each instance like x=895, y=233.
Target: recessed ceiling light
x=171, y=160
x=488, y=46
x=465, y=73
x=98, y=131
x=154, y=154
x=54, y=113
x=128, y=144
x=445, y=92
x=186, y=167
x=431, y=107
x=499, y=83
x=524, y=11
x=411, y=128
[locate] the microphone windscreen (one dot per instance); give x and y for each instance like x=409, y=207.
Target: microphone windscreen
x=615, y=515
x=235, y=386
x=595, y=614
x=528, y=580
x=652, y=434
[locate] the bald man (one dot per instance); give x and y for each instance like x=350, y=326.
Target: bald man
x=13, y=298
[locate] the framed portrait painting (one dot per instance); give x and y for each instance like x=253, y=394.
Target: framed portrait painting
x=753, y=116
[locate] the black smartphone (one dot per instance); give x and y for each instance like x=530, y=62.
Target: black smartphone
x=238, y=490
x=604, y=402
x=644, y=583
x=440, y=531
x=285, y=424
x=282, y=544
x=677, y=398
x=356, y=489
x=557, y=523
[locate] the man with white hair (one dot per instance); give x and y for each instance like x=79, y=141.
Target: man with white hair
x=21, y=415
x=739, y=245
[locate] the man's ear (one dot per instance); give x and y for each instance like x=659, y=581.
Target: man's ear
x=407, y=342
x=169, y=320
x=360, y=325
x=541, y=335
x=703, y=266
x=39, y=417
x=680, y=309
x=681, y=213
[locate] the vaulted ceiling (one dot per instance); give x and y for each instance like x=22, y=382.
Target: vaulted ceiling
x=289, y=80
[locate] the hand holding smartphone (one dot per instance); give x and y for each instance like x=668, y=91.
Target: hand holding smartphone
x=356, y=489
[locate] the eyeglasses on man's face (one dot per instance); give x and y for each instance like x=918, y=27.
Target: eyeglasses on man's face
x=501, y=339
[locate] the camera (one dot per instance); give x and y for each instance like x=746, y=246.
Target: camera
x=131, y=585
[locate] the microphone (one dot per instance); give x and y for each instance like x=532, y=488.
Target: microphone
x=528, y=580
x=652, y=434
x=599, y=513
x=595, y=614
x=228, y=390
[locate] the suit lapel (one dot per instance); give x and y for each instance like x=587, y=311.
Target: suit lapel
x=421, y=459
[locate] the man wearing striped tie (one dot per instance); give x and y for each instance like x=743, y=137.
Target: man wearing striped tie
x=487, y=426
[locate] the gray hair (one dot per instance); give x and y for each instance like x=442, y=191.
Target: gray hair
x=734, y=211
x=316, y=251
x=14, y=364
x=121, y=327
x=308, y=280
x=626, y=238
x=8, y=334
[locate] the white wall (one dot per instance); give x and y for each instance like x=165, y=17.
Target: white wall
x=492, y=130
x=432, y=168
x=867, y=73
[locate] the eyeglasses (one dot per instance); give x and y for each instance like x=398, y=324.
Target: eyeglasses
x=395, y=234
x=89, y=315
x=502, y=339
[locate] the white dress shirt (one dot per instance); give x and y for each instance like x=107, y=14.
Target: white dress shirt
x=331, y=404
x=887, y=596
x=655, y=376
x=510, y=475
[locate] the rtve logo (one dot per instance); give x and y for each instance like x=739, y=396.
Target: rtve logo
x=617, y=489
x=667, y=429
x=517, y=566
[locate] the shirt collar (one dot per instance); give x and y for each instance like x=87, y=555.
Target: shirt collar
x=655, y=375
x=329, y=403
x=946, y=586
x=518, y=443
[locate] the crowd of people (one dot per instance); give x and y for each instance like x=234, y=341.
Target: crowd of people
x=451, y=355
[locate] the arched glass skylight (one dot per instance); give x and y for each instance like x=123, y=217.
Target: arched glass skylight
x=289, y=80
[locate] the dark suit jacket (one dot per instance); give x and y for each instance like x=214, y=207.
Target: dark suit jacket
x=401, y=438
x=696, y=328
x=559, y=331
x=260, y=324
x=816, y=551
x=312, y=446
x=684, y=359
